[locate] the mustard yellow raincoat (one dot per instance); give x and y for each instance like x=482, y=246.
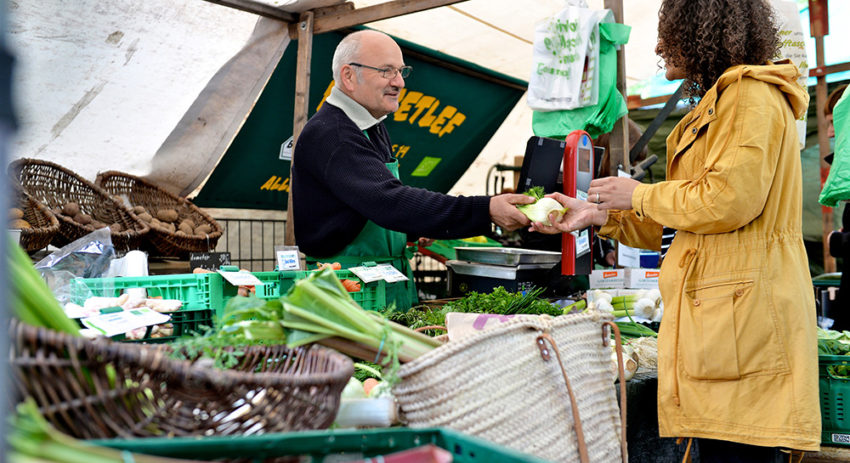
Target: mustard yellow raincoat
x=738, y=341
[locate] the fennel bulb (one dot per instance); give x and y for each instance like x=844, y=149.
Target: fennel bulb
x=539, y=211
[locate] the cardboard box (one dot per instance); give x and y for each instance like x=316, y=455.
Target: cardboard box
x=607, y=278
x=641, y=278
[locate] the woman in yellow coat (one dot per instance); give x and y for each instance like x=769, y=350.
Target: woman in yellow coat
x=738, y=342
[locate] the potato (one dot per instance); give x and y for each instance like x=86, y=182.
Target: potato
x=185, y=228
x=204, y=229
x=71, y=209
x=20, y=223
x=167, y=215
x=180, y=233
x=139, y=210
x=97, y=224
x=83, y=219
x=145, y=217
x=116, y=228
x=16, y=213
x=187, y=222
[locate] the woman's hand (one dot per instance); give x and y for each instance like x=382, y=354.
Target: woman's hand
x=612, y=192
x=580, y=214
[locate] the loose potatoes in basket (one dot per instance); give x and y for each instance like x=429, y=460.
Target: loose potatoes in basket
x=167, y=215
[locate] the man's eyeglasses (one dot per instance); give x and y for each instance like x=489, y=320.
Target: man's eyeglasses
x=388, y=72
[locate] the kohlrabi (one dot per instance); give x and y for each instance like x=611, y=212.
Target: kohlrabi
x=539, y=211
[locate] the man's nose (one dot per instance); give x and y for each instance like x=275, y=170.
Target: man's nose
x=397, y=81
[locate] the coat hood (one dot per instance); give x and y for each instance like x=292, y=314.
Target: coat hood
x=782, y=74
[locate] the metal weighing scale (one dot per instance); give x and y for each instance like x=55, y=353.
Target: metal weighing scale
x=482, y=269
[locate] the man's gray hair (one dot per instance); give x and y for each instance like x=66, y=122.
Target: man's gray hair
x=346, y=52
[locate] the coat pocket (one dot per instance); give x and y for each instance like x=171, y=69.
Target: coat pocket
x=711, y=328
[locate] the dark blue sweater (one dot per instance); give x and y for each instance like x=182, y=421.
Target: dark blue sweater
x=339, y=180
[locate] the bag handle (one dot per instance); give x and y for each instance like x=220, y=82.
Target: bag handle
x=621, y=373
x=544, y=352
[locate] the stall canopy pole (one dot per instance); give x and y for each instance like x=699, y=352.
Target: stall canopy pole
x=302, y=91
x=619, y=145
x=818, y=14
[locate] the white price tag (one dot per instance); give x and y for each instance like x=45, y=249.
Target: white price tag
x=367, y=274
x=384, y=272
x=241, y=278
x=582, y=243
x=628, y=256
x=391, y=274
x=288, y=259
x=111, y=324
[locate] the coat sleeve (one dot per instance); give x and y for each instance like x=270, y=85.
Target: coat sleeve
x=738, y=170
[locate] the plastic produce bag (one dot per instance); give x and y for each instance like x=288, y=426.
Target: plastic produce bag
x=87, y=257
x=837, y=186
x=599, y=118
x=565, y=73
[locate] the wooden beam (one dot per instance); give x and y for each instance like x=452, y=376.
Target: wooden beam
x=619, y=138
x=823, y=144
x=340, y=20
x=258, y=8
x=302, y=103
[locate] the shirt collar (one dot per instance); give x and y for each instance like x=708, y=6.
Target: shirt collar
x=354, y=110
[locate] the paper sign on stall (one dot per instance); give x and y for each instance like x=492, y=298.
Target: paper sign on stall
x=384, y=272
x=111, y=324
x=241, y=278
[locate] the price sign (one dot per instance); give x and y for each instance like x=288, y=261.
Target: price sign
x=208, y=260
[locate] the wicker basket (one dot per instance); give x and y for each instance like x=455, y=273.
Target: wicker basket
x=539, y=385
x=103, y=389
x=54, y=186
x=166, y=243
x=43, y=223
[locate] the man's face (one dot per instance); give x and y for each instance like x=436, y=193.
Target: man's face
x=378, y=94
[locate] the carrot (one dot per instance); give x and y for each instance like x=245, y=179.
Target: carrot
x=368, y=384
x=324, y=265
x=350, y=285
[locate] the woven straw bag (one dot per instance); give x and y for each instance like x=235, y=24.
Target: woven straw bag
x=540, y=385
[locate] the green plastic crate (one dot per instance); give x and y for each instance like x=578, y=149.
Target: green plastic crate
x=201, y=295
x=372, y=296
x=320, y=446
x=834, y=401
x=270, y=289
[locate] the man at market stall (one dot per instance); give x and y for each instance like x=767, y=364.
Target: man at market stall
x=737, y=347
x=349, y=205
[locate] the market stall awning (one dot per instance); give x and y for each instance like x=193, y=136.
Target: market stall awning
x=449, y=110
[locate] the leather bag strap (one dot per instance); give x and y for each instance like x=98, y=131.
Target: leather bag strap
x=621, y=372
x=544, y=352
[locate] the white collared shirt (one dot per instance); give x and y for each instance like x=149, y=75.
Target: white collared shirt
x=354, y=110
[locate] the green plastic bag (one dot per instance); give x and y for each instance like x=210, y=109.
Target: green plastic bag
x=599, y=118
x=837, y=186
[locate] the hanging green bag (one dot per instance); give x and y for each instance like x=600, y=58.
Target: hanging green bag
x=837, y=186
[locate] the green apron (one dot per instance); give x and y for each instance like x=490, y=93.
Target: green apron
x=382, y=246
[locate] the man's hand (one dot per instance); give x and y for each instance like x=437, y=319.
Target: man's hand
x=580, y=214
x=503, y=211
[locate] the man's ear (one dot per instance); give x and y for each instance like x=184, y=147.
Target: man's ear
x=347, y=78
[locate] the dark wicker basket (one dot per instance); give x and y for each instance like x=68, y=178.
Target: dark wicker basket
x=104, y=389
x=54, y=186
x=43, y=224
x=166, y=243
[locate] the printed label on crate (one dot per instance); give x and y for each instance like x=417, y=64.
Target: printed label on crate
x=288, y=259
x=208, y=260
x=384, y=272
x=115, y=323
x=241, y=278
x=841, y=438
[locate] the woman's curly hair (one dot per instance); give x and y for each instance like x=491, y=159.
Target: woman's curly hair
x=703, y=38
